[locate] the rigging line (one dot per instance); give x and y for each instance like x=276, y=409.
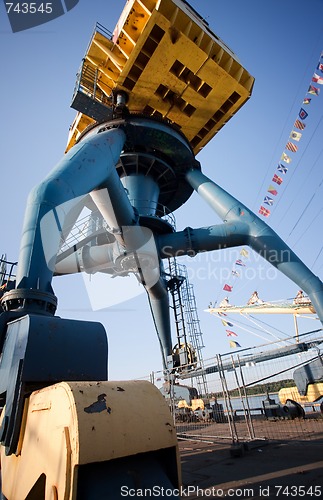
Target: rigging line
x=253, y=333
x=250, y=331
x=272, y=156
x=295, y=170
x=281, y=372
x=237, y=323
x=308, y=227
x=273, y=327
x=259, y=327
x=307, y=317
x=217, y=298
x=302, y=214
x=255, y=322
x=285, y=125
x=243, y=282
x=319, y=269
x=234, y=278
x=308, y=204
x=209, y=361
x=302, y=186
x=317, y=257
x=279, y=140
x=280, y=301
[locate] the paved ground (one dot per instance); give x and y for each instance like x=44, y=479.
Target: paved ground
x=274, y=469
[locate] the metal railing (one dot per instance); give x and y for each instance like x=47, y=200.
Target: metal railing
x=87, y=82
x=103, y=30
x=245, y=403
x=7, y=273
x=154, y=209
x=94, y=224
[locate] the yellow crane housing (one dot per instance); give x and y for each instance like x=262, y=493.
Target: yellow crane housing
x=164, y=56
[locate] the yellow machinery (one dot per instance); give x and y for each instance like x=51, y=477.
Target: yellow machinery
x=170, y=64
x=163, y=84
x=83, y=440
x=196, y=404
x=308, y=390
x=149, y=97
x=314, y=393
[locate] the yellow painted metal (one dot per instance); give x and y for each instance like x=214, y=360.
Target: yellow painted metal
x=266, y=308
x=183, y=404
x=70, y=424
x=314, y=393
x=196, y=404
x=171, y=65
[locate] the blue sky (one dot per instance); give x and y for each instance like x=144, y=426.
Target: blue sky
x=280, y=45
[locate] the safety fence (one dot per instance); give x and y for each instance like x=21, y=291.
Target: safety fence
x=248, y=397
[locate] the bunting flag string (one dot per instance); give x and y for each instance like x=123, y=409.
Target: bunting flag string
x=228, y=287
x=295, y=135
x=226, y=323
x=230, y=333
x=234, y=272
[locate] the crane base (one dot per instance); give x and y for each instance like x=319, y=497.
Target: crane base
x=93, y=440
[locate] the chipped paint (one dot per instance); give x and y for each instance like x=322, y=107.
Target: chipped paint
x=99, y=405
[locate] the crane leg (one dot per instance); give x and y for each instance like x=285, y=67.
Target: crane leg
x=259, y=236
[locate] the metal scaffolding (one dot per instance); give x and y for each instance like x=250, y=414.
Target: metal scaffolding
x=187, y=323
